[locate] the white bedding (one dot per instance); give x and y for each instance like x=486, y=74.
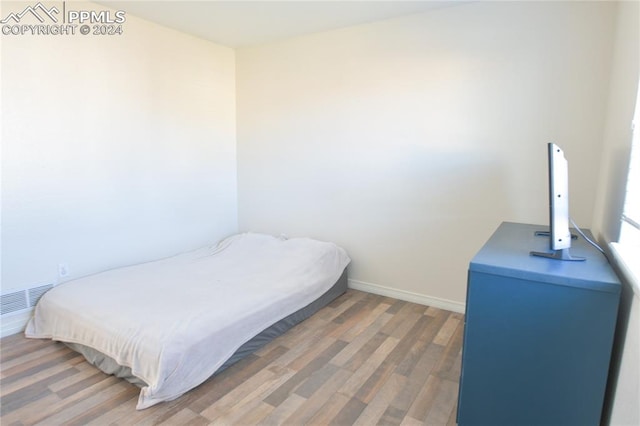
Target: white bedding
x=175, y=321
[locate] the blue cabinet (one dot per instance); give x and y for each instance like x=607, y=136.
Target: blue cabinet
x=538, y=333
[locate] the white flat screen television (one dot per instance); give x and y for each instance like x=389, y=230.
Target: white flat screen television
x=559, y=234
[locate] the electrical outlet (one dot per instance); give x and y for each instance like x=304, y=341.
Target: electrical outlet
x=63, y=270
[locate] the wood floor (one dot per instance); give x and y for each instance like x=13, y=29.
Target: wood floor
x=362, y=360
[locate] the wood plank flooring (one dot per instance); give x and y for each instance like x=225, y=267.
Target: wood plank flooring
x=362, y=360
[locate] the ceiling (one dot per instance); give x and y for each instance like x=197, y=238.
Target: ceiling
x=246, y=23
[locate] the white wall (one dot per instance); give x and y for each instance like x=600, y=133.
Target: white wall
x=408, y=141
x=625, y=379
x=115, y=149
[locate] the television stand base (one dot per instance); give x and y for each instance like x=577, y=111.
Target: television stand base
x=562, y=254
x=548, y=234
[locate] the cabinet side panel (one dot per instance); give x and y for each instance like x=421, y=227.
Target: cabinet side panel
x=534, y=353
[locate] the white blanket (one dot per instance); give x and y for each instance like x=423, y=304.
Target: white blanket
x=174, y=322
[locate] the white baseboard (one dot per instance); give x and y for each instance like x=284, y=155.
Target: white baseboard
x=14, y=323
x=408, y=296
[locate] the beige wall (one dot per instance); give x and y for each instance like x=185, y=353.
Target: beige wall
x=408, y=141
x=115, y=149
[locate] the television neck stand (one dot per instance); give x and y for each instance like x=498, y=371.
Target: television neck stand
x=561, y=254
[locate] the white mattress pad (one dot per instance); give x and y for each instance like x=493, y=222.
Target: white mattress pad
x=175, y=321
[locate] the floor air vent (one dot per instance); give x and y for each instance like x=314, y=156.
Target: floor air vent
x=22, y=299
x=13, y=302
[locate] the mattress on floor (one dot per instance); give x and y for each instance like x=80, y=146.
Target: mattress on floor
x=110, y=366
x=176, y=321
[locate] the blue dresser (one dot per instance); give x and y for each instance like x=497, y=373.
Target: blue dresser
x=538, y=333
